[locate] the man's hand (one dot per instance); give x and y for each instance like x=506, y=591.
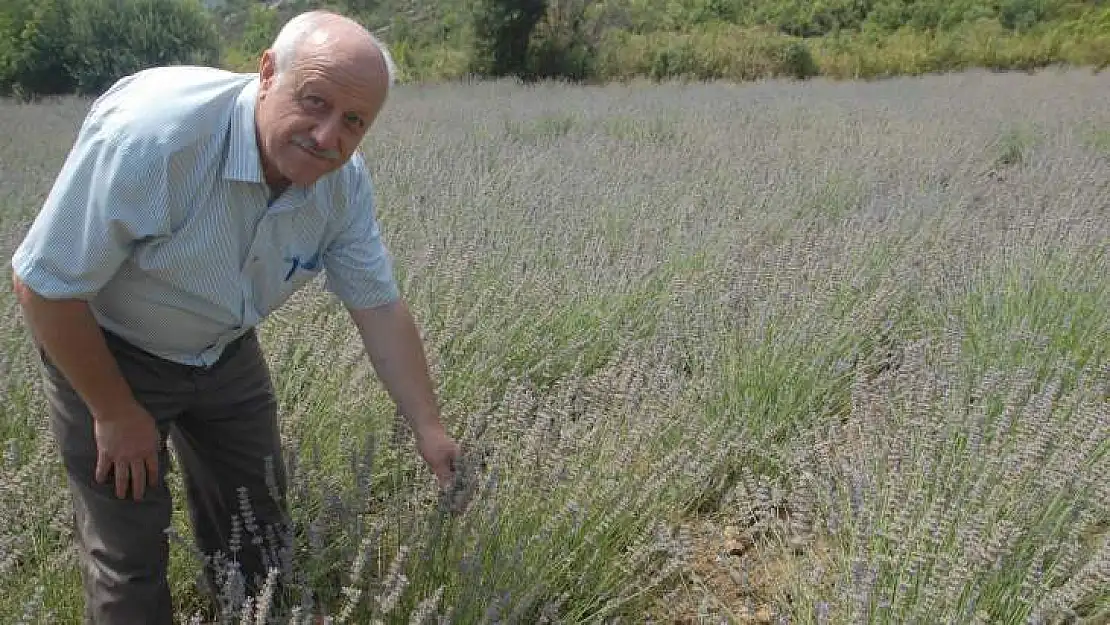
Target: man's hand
x=441, y=453
x=127, y=445
x=127, y=439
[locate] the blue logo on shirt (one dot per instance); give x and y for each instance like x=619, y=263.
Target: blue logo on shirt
x=311, y=264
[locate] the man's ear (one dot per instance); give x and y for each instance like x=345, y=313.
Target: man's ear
x=267, y=71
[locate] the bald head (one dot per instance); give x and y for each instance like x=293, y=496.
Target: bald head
x=323, y=33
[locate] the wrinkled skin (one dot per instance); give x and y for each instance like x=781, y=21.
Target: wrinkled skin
x=311, y=119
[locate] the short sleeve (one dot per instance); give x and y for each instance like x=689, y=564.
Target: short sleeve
x=358, y=267
x=107, y=197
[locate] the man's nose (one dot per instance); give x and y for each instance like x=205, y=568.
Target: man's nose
x=326, y=134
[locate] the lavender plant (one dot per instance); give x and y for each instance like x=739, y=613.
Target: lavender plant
x=828, y=353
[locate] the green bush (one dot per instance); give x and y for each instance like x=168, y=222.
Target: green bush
x=1085, y=40
x=82, y=46
x=987, y=43
x=806, y=18
x=704, y=39
x=929, y=15
x=38, y=50
x=716, y=52
x=564, y=43
x=502, y=33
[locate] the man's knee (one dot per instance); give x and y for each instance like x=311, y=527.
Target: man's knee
x=124, y=552
x=124, y=589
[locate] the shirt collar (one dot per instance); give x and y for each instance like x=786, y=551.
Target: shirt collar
x=243, y=161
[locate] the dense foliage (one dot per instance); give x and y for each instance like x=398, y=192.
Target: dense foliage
x=50, y=47
x=502, y=31
x=60, y=46
x=733, y=39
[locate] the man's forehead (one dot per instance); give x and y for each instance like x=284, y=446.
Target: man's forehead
x=329, y=53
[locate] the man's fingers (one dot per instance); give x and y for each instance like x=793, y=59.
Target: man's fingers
x=121, y=479
x=102, y=467
x=442, y=472
x=451, y=465
x=152, y=470
x=138, y=479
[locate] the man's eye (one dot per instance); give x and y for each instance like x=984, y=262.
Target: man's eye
x=314, y=101
x=354, y=119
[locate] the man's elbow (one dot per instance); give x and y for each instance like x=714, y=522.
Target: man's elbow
x=28, y=298
x=22, y=292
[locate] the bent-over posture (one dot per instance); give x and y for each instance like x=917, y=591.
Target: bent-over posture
x=193, y=203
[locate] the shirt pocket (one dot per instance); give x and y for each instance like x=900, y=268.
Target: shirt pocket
x=288, y=268
x=301, y=268
x=294, y=249
x=294, y=270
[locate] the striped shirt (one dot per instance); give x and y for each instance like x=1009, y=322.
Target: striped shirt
x=160, y=219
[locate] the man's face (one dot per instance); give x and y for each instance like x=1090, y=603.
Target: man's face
x=312, y=118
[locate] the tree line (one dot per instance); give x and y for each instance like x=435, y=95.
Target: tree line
x=50, y=47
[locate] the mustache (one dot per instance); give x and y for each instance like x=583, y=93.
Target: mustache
x=311, y=146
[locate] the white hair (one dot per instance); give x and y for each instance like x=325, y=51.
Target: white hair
x=286, y=45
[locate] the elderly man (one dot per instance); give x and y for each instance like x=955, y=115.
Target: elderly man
x=194, y=202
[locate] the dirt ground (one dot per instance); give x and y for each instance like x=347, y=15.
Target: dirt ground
x=730, y=580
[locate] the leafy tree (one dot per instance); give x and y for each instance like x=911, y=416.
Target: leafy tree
x=502, y=32
x=80, y=47
x=37, y=63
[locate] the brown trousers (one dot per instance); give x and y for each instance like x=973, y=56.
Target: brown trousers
x=222, y=421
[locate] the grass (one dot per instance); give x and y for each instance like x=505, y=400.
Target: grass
x=817, y=353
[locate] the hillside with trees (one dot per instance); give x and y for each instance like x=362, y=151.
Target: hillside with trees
x=78, y=46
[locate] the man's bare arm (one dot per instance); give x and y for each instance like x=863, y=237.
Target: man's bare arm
x=73, y=340
x=393, y=345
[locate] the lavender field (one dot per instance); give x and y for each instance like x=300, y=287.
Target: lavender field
x=832, y=352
